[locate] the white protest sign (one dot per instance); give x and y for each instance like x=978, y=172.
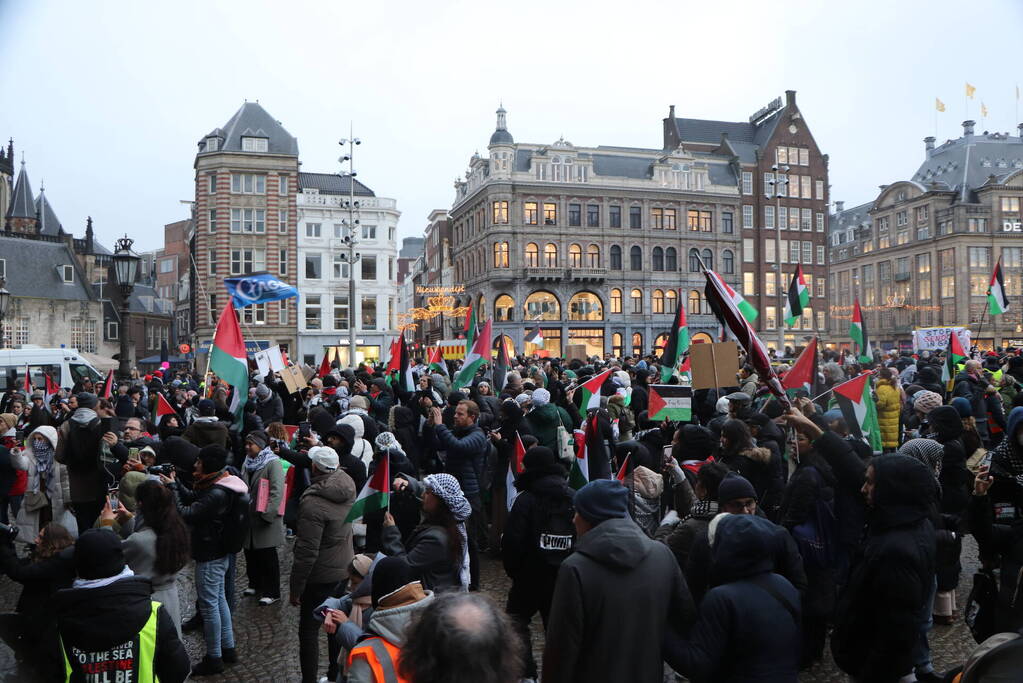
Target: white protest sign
x=936, y=338
x=262, y=359
x=276, y=359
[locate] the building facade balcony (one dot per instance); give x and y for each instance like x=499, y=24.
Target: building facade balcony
x=543, y=274
x=580, y=274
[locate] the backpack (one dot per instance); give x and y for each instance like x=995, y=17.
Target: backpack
x=980, y=613
x=236, y=521
x=555, y=532
x=816, y=538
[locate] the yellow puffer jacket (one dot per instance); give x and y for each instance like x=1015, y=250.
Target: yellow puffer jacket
x=888, y=408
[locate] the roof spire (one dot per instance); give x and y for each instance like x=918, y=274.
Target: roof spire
x=501, y=135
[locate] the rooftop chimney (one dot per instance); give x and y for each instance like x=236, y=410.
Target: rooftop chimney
x=790, y=98
x=968, y=128
x=839, y=206
x=671, y=111
x=1020, y=129
x=928, y=146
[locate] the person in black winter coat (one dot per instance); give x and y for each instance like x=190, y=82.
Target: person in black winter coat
x=538, y=535
x=877, y=620
x=758, y=465
x=1001, y=544
x=103, y=617
x=404, y=424
x=748, y=627
x=955, y=478
x=511, y=426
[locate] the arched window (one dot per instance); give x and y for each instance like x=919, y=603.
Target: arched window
x=671, y=302
x=532, y=255
x=616, y=301
x=657, y=301
x=694, y=302
x=637, y=344
x=543, y=306
x=575, y=256
x=504, y=308
x=481, y=306
x=658, y=258
x=661, y=340
x=727, y=262
x=635, y=258
x=616, y=344
x=585, y=306
x=670, y=260
x=550, y=255
x=694, y=261
x=501, y=255
x=593, y=256
x=616, y=257
x=708, y=259
x=637, y=301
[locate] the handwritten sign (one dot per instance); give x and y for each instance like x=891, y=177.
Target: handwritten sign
x=936, y=338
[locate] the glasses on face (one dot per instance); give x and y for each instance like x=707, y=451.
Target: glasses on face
x=132, y=429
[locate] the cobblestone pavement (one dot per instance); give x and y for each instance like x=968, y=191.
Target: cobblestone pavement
x=267, y=637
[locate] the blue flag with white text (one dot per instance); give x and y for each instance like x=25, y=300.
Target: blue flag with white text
x=258, y=288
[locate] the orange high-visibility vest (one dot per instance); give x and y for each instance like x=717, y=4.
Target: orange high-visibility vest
x=382, y=658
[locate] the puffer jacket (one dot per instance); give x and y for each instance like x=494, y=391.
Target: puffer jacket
x=206, y=431
x=888, y=408
x=204, y=511
x=323, y=540
x=544, y=422
x=646, y=487
x=466, y=454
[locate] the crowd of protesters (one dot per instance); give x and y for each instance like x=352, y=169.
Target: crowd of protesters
x=732, y=547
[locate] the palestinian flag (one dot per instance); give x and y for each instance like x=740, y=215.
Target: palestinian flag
x=475, y=359
x=798, y=298
x=670, y=402
x=229, y=361
x=501, y=364
x=52, y=389
x=108, y=385
x=399, y=369
x=858, y=409
x=590, y=392
x=676, y=346
x=954, y=355
x=997, y=302
x=858, y=332
x=436, y=361
x=374, y=494
x=743, y=306
x=471, y=329
x=534, y=336
x=515, y=468
x=580, y=474
x=623, y=471
x=163, y=406
x=324, y=364
x=803, y=374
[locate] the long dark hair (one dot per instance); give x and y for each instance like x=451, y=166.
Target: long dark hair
x=53, y=539
x=442, y=517
x=738, y=436
x=160, y=513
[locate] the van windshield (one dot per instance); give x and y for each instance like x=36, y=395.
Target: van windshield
x=80, y=372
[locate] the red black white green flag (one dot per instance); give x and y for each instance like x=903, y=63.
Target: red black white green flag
x=670, y=402
x=858, y=332
x=954, y=355
x=854, y=399
x=997, y=301
x=676, y=346
x=803, y=374
x=515, y=468
x=534, y=336
x=798, y=298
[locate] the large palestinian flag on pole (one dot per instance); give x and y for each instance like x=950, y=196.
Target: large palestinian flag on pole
x=858, y=332
x=677, y=344
x=590, y=392
x=436, y=361
x=954, y=355
x=501, y=363
x=585, y=438
x=403, y=378
x=803, y=374
x=475, y=359
x=470, y=330
x=736, y=299
x=229, y=361
x=670, y=402
x=375, y=494
x=858, y=409
x=997, y=302
x=798, y=298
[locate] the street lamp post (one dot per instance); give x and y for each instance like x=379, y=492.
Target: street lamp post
x=126, y=266
x=5, y=300
x=777, y=187
x=351, y=225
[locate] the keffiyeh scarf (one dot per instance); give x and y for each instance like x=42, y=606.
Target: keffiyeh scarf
x=446, y=487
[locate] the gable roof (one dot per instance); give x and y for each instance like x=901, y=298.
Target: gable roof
x=331, y=183
x=968, y=163
x=841, y=221
x=22, y=204
x=32, y=269
x=49, y=224
x=251, y=120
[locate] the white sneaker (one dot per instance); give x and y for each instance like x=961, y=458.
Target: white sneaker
x=268, y=601
x=248, y=592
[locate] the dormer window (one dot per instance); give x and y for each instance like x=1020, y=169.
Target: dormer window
x=212, y=144
x=67, y=273
x=251, y=144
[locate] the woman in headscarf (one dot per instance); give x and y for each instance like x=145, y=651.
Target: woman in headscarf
x=48, y=492
x=437, y=550
x=955, y=479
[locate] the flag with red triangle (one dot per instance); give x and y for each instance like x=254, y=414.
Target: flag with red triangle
x=324, y=364
x=28, y=382
x=515, y=468
x=436, y=361
x=229, y=360
x=623, y=471
x=857, y=405
x=590, y=392
x=670, y=402
x=580, y=474
x=803, y=374
x=163, y=406
x=52, y=389
x=676, y=346
x=108, y=385
x=375, y=494
x=475, y=359
x=954, y=355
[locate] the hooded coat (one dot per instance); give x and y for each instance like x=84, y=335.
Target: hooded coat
x=323, y=540
x=391, y=624
x=540, y=489
x=544, y=421
x=613, y=601
x=58, y=489
x=1006, y=493
x=206, y=431
x=877, y=617
x=955, y=479
x=204, y=512
x=646, y=487
x=743, y=633
x=889, y=405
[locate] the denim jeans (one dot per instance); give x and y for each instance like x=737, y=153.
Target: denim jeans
x=216, y=615
x=922, y=650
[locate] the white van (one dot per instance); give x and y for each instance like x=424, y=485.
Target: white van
x=64, y=366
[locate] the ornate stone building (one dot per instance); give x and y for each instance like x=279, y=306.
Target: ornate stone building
x=597, y=244
x=922, y=252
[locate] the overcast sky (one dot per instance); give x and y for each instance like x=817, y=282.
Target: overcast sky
x=107, y=100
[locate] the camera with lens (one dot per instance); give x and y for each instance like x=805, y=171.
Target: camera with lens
x=165, y=469
x=8, y=532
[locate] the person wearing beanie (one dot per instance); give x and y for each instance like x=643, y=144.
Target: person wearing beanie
x=207, y=509
x=538, y=536
x=46, y=484
x=80, y=447
x=269, y=406
x=107, y=607
x=595, y=614
x=206, y=429
x=263, y=472
x=322, y=553
x=545, y=418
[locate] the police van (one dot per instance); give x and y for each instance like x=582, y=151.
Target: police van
x=64, y=366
